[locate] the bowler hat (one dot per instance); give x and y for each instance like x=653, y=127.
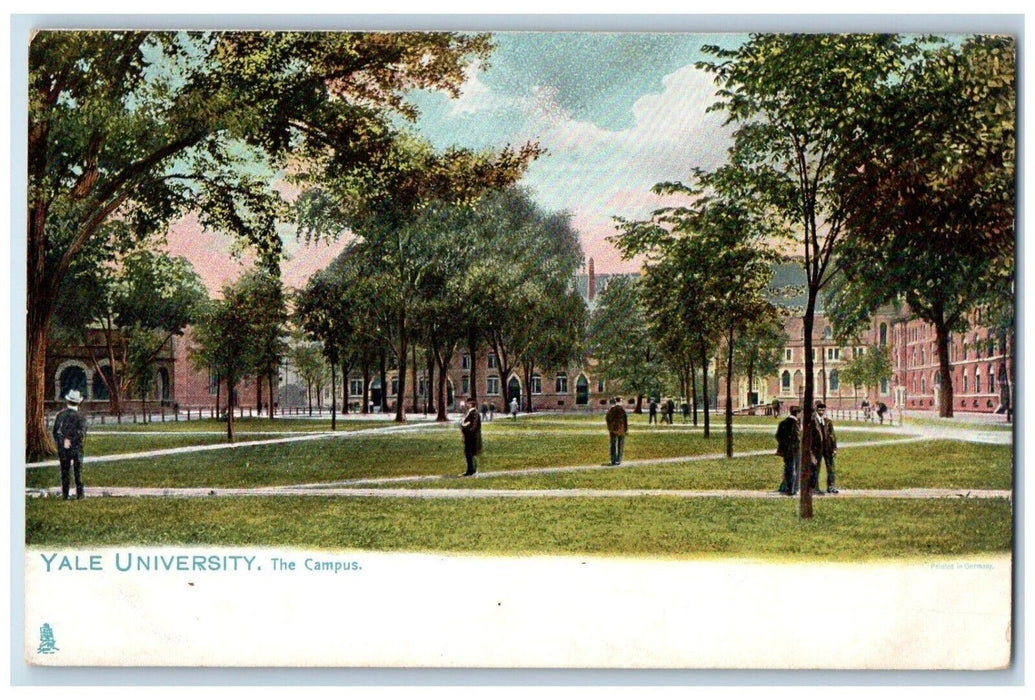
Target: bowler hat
x=74, y=397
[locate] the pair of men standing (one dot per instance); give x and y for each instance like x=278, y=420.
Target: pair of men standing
x=823, y=449
x=69, y=432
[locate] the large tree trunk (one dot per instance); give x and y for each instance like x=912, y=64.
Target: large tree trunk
x=334, y=397
x=704, y=390
x=416, y=383
x=443, y=362
x=807, y=410
x=472, y=349
x=400, y=394
x=729, y=394
x=529, y=368
x=231, y=386
x=693, y=389
x=38, y=443
x=945, y=393
x=429, y=386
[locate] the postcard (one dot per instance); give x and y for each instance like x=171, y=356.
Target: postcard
x=492, y=348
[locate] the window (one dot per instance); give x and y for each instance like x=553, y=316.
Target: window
x=977, y=346
x=966, y=382
x=492, y=386
x=465, y=385
x=465, y=361
x=788, y=354
x=355, y=387
x=395, y=386
x=977, y=380
x=785, y=381
x=561, y=383
x=600, y=386
x=991, y=381
x=833, y=353
x=835, y=382
x=883, y=334
x=813, y=354
x=828, y=333
x=492, y=361
x=213, y=384
x=537, y=385
x=884, y=387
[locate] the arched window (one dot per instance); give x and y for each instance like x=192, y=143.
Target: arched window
x=799, y=379
x=923, y=385
x=883, y=386
x=977, y=380
x=966, y=382
x=785, y=382
x=883, y=334
x=991, y=380
x=835, y=382
x=828, y=333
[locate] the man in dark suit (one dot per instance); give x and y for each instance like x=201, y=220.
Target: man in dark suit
x=69, y=432
x=617, y=427
x=788, y=446
x=829, y=451
x=471, y=432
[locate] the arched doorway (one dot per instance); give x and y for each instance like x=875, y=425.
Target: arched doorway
x=71, y=377
x=514, y=390
x=581, y=391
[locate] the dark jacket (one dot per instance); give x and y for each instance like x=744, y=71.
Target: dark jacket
x=815, y=435
x=69, y=424
x=471, y=428
x=829, y=439
x=788, y=437
x=617, y=420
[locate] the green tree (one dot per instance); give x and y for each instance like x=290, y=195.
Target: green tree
x=869, y=369
x=128, y=130
x=223, y=343
x=386, y=209
x=931, y=202
x=139, y=300
x=793, y=98
x=759, y=347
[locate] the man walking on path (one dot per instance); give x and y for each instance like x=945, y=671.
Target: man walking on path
x=69, y=433
x=471, y=432
x=788, y=446
x=826, y=427
x=617, y=427
x=514, y=408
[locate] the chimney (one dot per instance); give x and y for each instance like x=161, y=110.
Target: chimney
x=592, y=281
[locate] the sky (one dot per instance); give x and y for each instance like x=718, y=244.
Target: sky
x=616, y=113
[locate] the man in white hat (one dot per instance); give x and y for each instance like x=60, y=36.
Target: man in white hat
x=69, y=432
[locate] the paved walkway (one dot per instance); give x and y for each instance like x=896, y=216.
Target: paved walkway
x=158, y=492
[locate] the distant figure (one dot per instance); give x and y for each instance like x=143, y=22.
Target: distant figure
x=652, y=415
x=617, y=427
x=882, y=408
x=492, y=410
x=514, y=408
x=788, y=446
x=471, y=433
x=69, y=433
x=776, y=407
x=485, y=411
x=670, y=409
x=686, y=412
x=867, y=413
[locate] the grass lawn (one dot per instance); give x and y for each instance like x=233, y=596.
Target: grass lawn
x=927, y=464
x=664, y=527
x=430, y=450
